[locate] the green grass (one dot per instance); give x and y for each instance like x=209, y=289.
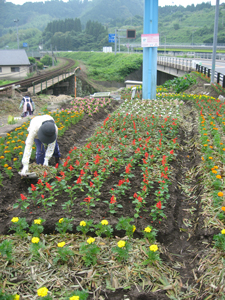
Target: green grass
x=107, y=66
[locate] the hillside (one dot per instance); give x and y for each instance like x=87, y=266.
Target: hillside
x=177, y=24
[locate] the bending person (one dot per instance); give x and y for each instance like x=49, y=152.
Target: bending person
x=42, y=130
x=28, y=105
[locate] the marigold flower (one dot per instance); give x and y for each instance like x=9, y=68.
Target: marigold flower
x=210, y=157
x=134, y=228
x=153, y=248
x=214, y=171
x=35, y=240
x=62, y=244
x=16, y=297
x=147, y=229
x=42, y=292
x=223, y=208
x=218, y=176
x=61, y=220
x=74, y=298
x=90, y=240
x=220, y=194
x=37, y=221
x=15, y=219
x=82, y=223
x=121, y=244
x=104, y=222
x=223, y=231
x=6, y=166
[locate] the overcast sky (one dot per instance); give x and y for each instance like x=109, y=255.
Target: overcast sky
x=161, y=2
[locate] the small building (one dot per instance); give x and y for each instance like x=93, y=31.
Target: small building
x=14, y=64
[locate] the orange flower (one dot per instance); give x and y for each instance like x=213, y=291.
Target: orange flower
x=223, y=208
x=220, y=194
x=218, y=176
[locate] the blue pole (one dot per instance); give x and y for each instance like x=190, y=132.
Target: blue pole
x=149, y=74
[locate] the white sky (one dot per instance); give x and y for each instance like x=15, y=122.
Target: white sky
x=160, y=2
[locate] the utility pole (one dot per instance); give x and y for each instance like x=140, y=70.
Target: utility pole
x=149, y=74
x=16, y=21
x=215, y=40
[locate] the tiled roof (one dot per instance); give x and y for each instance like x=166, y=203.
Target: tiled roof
x=13, y=58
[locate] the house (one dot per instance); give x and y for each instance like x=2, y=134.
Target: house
x=14, y=64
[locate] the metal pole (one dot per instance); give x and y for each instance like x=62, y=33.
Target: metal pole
x=149, y=77
x=18, y=44
x=215, y=40
x=115, y=40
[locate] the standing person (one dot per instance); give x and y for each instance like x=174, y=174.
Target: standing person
x=28, y=105
x=42, y=130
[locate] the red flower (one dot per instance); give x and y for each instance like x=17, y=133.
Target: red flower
x=58, y=178
x=135, y=195
x=42, y=196
x=40, y=182
x=79, y=180
x=48, y=186
x=77, y=162
x=71, y=168
x=91, y=184
x=139, y=199
x=115, y=159
x=96, y=174
x=65, y=164
x=45, y=174
x=33, y=188
x=112, y=200
x=62, y=174
x=88, y=199
x=23, y=197
x=171, y=152
x=159, y=205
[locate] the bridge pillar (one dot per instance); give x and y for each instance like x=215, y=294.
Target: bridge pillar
x=150, y=53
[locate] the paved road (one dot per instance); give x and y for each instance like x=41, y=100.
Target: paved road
x=220, y=65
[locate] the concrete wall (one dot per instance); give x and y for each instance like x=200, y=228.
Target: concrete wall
x=8, y=74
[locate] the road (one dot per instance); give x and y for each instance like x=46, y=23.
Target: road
x=220, y=65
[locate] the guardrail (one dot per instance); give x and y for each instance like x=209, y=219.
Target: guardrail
x=184, y=64
x=220, y=78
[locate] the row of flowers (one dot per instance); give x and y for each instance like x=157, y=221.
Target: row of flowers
x=90, y=248
x=130, y=137
x=12, y=147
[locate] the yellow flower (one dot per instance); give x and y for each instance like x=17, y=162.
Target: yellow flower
x=1, y=157
x=203, y=158
x=75, y=298
x=6, y=166
x=15, y=219
x=218, y=176
x=148, y=229
x=35, y=240
x=223, y=208
x=104, y=222
x=61, y=220
x=223, y=231
x=37, y=221
x=16, y=297
x=9, y=168
x=153, y=248
x=15, y=158
x=121, y=244
x=220, y=194
x=216, y=167
x=214, y=171
x=62, y=244
x=42, y=292
x=82, y=223
x=134, y=228
x=210, y=157
x=90, y=240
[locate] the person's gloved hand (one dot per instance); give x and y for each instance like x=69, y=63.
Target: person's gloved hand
x=45, y=162
x=24, y=170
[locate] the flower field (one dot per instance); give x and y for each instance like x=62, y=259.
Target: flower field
x=136, y=210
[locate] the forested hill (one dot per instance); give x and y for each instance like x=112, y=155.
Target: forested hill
x=85, y=25
x=37, y=15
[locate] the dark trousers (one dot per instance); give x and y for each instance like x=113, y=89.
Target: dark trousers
x=40, y=151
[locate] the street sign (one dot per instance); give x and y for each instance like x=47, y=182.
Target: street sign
x=150, y=40
x=25, y=45
x=111, y=37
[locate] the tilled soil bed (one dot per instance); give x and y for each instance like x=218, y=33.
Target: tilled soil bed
x=183, y=243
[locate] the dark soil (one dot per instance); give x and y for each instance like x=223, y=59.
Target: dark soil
x=181, y=243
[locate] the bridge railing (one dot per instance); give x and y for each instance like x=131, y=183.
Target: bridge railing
x=184, y=64
x=218, y=77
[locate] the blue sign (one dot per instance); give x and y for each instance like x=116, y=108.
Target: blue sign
x=25, y=45
x=111, y=37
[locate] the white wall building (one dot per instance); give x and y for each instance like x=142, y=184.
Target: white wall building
x=14, y=64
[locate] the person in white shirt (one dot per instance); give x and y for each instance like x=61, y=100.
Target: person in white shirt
x=42, y=130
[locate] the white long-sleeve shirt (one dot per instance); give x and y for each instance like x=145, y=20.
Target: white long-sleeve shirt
x=35, y=124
